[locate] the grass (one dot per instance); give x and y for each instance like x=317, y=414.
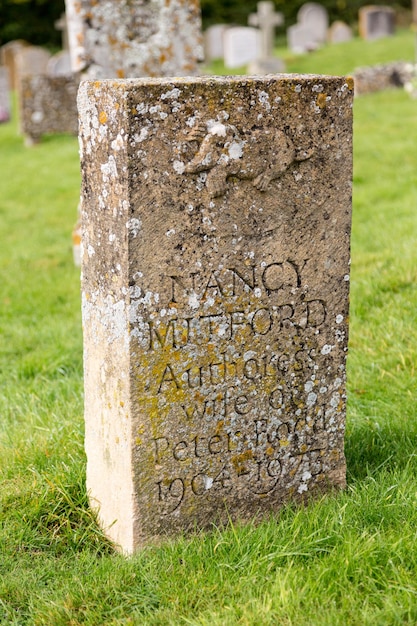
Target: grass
x=349, y=558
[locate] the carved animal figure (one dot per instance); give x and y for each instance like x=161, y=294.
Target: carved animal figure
x=260, y=155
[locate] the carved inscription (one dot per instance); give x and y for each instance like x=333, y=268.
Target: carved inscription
x=240, y=378
x=223, y=151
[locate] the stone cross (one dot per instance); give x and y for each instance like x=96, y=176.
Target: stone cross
x=61, y=25
x=215, y=288
x=266, y=19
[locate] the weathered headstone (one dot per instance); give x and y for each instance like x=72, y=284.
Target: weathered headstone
x=315, y=17
x=241, y=46
x=310, y=31
x=48, y=106
x=301, y=39
x=8, y=58
x=5, y=107
x=376, y=21
x=340, y=32
x=215, y=230
x=31, y=61
x=213, y=42
x=266, y=19
x=59, y=64
x=133, y=38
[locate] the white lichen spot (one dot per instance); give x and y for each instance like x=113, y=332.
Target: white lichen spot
x=311, y=398
x=208, y=482
x=257, y=292
x=112, y=237
x=326, y=349
x=263, y=98
x=297, y=88
x=118, y=143
x=193, y=300
x=90, y=251
x=339, y=319
x=346, y=278
x=302, y=487
x=134, y=225
x=174, y=93
x=37, y=117
x=308, y=386
x=218, y=129
x=170, y=232
x=236, y=149
x=318, y=88
x=306, y=476
x=109, y=169
x=144, y=132
x=179, y=167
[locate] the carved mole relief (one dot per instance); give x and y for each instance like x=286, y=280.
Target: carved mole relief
x=221, y=151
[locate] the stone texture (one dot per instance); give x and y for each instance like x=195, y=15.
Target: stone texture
x=215, y=229
x=48, y=104
x=132, y=38
x=381, y=77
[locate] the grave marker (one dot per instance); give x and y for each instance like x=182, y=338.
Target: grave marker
x=215, y=230
x=4, y=95
x=340, y=32
x=241, y=46
x=376, y=22
x=266, y=20
x=134, y=38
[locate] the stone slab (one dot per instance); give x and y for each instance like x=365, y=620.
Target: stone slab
x=215, y=278
x=48, y=104
x=242, y=44
x=376, y=21
x=5, y=103
x=134, y=38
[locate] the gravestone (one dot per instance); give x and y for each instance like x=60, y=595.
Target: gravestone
x=213, y=42
x=339, y=32
x=266, y=19
x=376, y=22
x=61, y=25
x=134, y=38
x=301, y=39
x=215, y=230
x=8, y=54
x=241, y=46
x=48, y=106
x=59, y=64
x=310, y=31
x=31, y=61
x=4, y=95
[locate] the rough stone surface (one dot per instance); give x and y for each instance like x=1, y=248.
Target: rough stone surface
x=381, y=77
x=48, y=104
x=134, y=38
x=215, y=229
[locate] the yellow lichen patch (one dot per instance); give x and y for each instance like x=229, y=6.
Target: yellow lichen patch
x=284, y=443
x=269, y=450
x=120, y=73
x=350, y=82
x=321, y=100
x=102, y=117
x=239, y=461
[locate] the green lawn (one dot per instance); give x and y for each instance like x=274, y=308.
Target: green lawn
x=348, y=559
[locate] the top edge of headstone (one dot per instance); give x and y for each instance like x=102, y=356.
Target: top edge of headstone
x=226, y=80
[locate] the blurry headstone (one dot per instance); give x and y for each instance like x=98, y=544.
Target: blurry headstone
x=376, y=21
x=310, y=31
x=61, y=25
x=339, y=32
x=213, y=42
x=60, y=64
x=48, y=105
x=8, y=54
x=132, y=38
x=242, y=44
x=5, y=108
